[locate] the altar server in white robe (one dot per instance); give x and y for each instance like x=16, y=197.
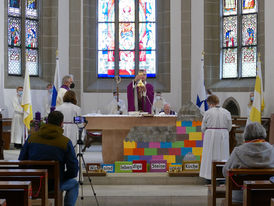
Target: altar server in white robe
x=216, y=126
x=47, y=100
x=115, y=107
x=17, y=125
x=70, y=110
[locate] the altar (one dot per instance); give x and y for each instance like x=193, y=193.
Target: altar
x=115, y=128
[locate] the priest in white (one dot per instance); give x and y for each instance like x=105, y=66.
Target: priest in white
x=216, y=126
x=117, y=107
x=17, y=125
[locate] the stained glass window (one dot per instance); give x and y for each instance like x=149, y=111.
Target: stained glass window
x=31, y=34
x=14, y=61
x=14, y=7
x=14, y=32
x=230, y=31
x=239, y=58
x=249, y=30
x=31, y=9
x=127, y=41
x=249, y=6
x=19, y=47
x=230, y=7
x=32, y=61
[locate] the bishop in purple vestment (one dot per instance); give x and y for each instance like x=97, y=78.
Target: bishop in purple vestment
x=140, y=97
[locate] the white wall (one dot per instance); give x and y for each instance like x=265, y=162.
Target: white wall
x=269, y=56
x=93, y=102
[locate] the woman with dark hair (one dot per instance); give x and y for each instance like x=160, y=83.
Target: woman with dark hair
x=70, y=110
x=216, y=126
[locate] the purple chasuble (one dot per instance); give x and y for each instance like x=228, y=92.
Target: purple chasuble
x=147, y=104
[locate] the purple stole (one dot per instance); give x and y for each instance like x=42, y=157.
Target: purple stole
x=65, y=87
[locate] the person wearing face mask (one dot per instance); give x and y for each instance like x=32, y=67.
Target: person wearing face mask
x=117, y=107
x=47, y=99
x=251, y=99
x=158, y=103
x=17, y=125
x=67, y=84
x=216, y=126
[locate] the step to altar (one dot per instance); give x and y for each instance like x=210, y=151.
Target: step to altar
x=148, y=178
x=152, y=195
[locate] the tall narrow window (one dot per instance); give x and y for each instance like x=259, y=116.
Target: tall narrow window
x=239, y=42
x=126, y=31
x=23, y=29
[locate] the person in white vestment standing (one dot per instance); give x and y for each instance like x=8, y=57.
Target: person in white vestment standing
x=47, y=100
x=115, y=107
x=67, y=84
x=17, y=125
x=216, y=126
x=158, y=103
x=70, y=110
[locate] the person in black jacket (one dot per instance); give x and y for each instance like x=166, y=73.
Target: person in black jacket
x=49, y=143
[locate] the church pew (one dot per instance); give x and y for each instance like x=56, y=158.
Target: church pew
x=215, y=192
x=16, y=192
x=258, y=192
x=53, y=174
x=3, y=202
x=236, y=177
x=38, y=178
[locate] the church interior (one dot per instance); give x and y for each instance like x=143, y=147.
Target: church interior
x=186, y=49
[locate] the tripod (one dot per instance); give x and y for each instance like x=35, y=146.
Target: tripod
x=81, y=159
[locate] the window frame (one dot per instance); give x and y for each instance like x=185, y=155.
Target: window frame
x=23, y=47
x=239, y=15
x=116, y=41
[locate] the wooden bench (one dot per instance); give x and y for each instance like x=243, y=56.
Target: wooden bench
x=258, y=192
x=272, y=202
x=3, y=202
x=215, y=192
x=38, y=178
x=53, y=174
x=236, y=177
x=16, y=193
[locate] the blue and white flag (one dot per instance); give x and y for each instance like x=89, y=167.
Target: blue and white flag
x=56, y=83
x=201, y=91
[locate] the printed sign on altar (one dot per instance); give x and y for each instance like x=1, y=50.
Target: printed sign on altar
x=109, y=168
x=158, y=166
x=191, y=165
x=139, y=166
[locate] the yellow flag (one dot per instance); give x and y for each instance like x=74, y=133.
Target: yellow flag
x=258, y=103
x=26, y=101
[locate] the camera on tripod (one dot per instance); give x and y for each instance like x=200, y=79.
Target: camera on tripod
x=79, y=120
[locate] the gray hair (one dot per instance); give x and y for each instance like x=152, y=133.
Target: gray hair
x=66, y=79
x=254, y=131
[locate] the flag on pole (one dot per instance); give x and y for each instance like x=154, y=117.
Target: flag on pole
x=258, y=103
x=56, y=83
x=201, y=92
x=26, y=101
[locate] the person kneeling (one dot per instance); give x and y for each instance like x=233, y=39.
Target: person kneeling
x=49, y=143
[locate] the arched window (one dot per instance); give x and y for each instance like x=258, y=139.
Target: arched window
x=23, y=32
x=239, y=38
x=126, y=37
